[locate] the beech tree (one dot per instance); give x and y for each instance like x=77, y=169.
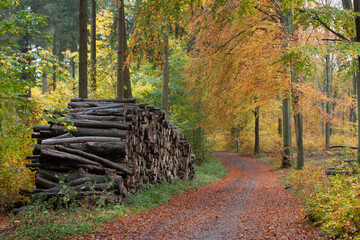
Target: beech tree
x=157, y=21
x=93, y=46
x=120, y=49
x=83, y=20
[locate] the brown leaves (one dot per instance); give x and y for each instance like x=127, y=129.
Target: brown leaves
x=248, y=203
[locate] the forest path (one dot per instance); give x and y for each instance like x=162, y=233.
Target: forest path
x=247, y=204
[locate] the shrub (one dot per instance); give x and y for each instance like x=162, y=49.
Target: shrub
x=332, y=202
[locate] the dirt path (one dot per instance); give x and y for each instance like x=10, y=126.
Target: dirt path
x=247, y=204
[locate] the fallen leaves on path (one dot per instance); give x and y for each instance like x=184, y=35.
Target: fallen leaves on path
x=247, y=204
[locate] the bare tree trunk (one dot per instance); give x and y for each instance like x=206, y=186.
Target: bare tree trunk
x=328, y=104
x=353, y=95
x=347, y=4
x=93, y=46
x=127, y=82
x=286, y=21
x=280, y=127
x=298, y=122
x=238, y=138
x=166, y=75
x=357, y=23
x=257, y=131
x=44, y=83
x=54, y=67
x=83, y=17
x=120, y=51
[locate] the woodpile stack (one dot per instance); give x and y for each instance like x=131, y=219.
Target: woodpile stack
x=107, y=145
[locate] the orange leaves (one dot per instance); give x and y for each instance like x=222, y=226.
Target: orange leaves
x=238, y=62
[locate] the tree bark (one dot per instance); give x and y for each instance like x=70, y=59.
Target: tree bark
x=71, y=158
x=328, y=104
x=353, y=95
x=257, y=131
x=357, y=23
x=347, y=4
x=286, y=162
x=238, y=137
x=280, y=127
x=55, y=54
x=120, y=50
x=53, y=141
x=127, y=81
x=44, y=83
x=94, y=157
x=83, y=17
x=298, y=122
x=286, y=21
x=93, y=46
x=166, y=74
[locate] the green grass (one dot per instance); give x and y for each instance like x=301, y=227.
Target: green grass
x=43, y=223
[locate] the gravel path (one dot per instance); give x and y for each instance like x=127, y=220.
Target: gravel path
x=247, y=204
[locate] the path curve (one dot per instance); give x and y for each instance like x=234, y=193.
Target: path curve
x=247, y=204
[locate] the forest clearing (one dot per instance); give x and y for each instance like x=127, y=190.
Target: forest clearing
x=187, y=119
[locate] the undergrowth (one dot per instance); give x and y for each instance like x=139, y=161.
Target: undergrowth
x=331, y=202
x=42, y=222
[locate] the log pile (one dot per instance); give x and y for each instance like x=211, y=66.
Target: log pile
x=107, y=145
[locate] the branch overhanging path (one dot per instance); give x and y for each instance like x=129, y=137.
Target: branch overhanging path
x=249, y=203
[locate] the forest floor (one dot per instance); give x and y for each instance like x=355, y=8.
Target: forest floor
x=249, y=203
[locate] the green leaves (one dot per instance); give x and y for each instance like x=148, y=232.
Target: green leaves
x=341, y=21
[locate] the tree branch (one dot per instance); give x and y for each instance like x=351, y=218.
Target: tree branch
x=316, y=17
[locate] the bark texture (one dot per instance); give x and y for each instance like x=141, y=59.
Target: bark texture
x=83, y=17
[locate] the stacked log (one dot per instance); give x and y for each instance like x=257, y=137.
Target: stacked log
x=107, y=145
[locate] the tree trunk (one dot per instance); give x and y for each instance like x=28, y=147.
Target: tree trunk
x=120, y=50
x=328, y=104
x=286, y=162
x=54, y=67
x=286, y=21
x=127, y=82
x=347, y=4
x=257, y=131
x=44, y=83
x=93, y=46
x=280, y=127
x=83, y=17
x=166, y=74
x=298, y=122
x=238, y=137
x=357, y=22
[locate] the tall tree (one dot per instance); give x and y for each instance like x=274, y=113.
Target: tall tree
x=357, y=24
x=238, y=138
x=83, y=20
x=166, y=74
x=347, y=4
x=121, y=50
x=286, y=21
x=127, y=81
x=257, y=130
x=93, y=46
x=297, y=120
x=328, y=104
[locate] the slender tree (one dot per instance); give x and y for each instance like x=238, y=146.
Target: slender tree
x=93, y=46
x=257, y=130
x=328, y=104
x=127, y=81
x=238, y=137
x=120, y=50
x=286, y=21
x=166, y=74
x=298, y=121
x=83, y=19
x=357, y=24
